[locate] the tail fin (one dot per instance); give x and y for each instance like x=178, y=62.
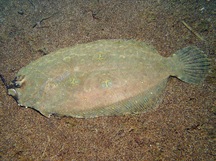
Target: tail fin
x=192, y=65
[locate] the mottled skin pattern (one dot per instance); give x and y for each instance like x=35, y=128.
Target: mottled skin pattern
x=106, y=77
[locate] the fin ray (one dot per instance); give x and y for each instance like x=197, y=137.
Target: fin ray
x=191, y=64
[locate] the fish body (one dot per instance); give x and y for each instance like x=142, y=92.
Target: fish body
x=104, y=78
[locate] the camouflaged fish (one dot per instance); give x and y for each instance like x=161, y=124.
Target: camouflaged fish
x=104, y=78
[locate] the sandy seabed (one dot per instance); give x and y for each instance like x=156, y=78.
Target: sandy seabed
x=181, y=128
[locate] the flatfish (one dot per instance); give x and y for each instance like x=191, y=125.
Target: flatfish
x=104, y=78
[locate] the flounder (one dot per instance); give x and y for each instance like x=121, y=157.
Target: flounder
x=104, y=78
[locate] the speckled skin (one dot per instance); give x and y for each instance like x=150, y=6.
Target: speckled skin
x=101, y=78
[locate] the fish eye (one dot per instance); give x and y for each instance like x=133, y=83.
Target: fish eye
x=16, y=85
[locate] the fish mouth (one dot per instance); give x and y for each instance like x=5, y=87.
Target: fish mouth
x=12, y=92
x=12, y=88
x=18, y=82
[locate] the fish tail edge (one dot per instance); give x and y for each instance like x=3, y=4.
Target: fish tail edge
x=191, y=65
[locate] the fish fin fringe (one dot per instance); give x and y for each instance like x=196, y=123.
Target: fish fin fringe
x=192, y=65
